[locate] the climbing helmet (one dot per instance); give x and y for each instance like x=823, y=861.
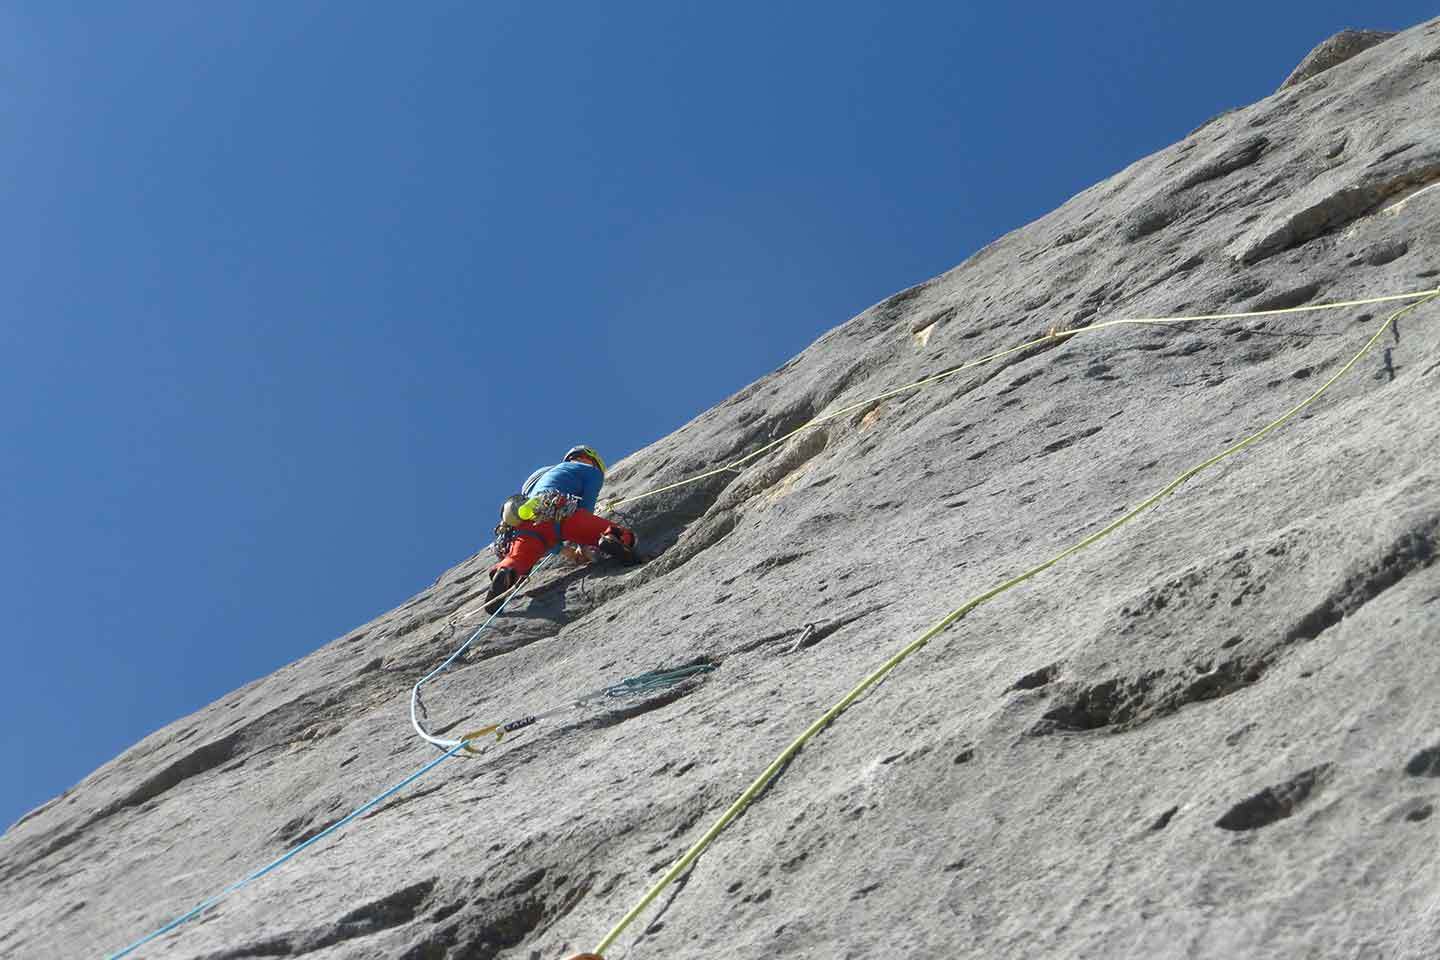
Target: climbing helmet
x=584, y=451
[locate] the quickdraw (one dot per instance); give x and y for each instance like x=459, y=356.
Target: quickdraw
x=504, y=537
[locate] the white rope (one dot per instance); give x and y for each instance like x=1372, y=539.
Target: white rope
x=415, y=704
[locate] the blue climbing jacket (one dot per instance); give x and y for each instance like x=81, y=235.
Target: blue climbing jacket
x=572, y=477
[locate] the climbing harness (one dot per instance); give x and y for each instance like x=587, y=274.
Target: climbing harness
x=549, y=506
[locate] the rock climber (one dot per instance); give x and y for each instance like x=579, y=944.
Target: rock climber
x=556, y=505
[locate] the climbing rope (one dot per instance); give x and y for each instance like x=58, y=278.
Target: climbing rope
x=417, y=709
x=655, y=679
x=257, y=874
x=1054, y=335
x=776, y=765
x=628, y=687
x=1395, y=208
x=417, y=705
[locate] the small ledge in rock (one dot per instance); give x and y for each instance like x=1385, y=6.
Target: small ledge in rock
x=1036, y=678
x=1276, y=803
x=1163, y=821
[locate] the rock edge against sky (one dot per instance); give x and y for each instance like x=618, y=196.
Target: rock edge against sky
x=1213, y=735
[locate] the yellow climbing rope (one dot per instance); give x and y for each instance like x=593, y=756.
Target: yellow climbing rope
x=959, y=612
x=734, y=466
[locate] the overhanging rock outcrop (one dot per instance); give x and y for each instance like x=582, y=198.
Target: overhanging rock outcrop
x=1333, y=52
x=1213, y=735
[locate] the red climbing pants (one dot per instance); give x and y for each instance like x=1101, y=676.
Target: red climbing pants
x=534, y=540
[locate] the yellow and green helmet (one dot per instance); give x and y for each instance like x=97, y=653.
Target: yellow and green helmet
x=584, y=451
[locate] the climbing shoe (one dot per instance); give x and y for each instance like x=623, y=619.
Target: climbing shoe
x=619, y=545
x=501, y=580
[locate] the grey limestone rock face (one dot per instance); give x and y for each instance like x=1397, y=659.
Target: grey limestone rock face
x=1334, y=51
x=1214, y=734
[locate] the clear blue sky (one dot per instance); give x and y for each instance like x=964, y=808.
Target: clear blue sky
x=295, y=292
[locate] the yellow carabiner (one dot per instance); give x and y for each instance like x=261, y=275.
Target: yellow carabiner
x=466, y=738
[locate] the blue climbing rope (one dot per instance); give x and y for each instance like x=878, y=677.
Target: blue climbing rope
x=629, y=686
x=450, y=748
x=257, y=874
x=417, y=705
